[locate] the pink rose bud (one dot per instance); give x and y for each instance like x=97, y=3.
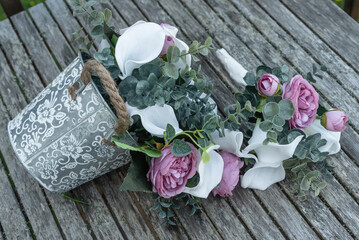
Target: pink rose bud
x=268, y=85
x=169, y=41
x=169, y=174
x=334, y=120
x=230, y=176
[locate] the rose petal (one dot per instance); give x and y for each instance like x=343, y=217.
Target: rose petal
x=235, y=70
x=139, y=44
x=155, y=118
x=332, y=146
x=210, y=174
x=262, y=176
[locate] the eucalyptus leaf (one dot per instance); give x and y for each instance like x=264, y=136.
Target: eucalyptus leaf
x=171, y=70
x=173, y=54
x=286, y=109
x=180, y=148
x=270, y=110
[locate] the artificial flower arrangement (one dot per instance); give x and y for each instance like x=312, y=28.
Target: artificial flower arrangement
x=190, y=151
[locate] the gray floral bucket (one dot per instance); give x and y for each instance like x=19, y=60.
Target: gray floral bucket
x=60, y=141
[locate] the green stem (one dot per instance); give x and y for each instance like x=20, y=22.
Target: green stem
x=74, y=199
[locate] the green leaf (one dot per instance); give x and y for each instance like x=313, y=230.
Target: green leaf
x=210, y=124
x=205, y=157
x=76, y=3
x=108, y=15
x=80, y=39
x=114, y=40
x=78, y=11
x=233, y=118
x=278, y=121
x=171, y=70
x=265, y=126
x=298, y=167
x=89, y=4
x=248, y=106
x=135, y=179
x=323, y=68
x=319, y=187
x=203, y=51
x=173, y=54
x=250, y=79
x=285, y=69
x=78, y=31
x=270, y=110
x=142, y=86
x=170, y=132
x=238, y=108
x=272, y=136
x=180, y=148
x=307, y=180
x=208, y=42
x=97, y=31
x=151, y=152
x=286, y=109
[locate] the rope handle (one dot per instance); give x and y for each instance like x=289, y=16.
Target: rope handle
x=93, y=66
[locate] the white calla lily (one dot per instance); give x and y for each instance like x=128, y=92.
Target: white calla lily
x=143, y=42
x=268, y=168
x=235, y=70
x=210, y=174
x=332, y=146
x=155, y=118
x=230, y=142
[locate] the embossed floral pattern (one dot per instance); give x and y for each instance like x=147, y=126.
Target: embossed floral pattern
x=60, y=141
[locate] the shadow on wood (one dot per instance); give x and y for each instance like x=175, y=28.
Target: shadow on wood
x=11, y=7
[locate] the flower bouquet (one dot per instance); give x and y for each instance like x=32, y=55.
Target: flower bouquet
x=185, y=149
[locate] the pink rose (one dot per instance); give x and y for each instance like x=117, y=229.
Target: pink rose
x=305, y=101
x=169, y=41
x=334, y=120
x=268, y=85
x=169, y=174
x=230, y=176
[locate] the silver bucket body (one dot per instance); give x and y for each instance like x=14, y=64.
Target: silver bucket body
x=60, y=141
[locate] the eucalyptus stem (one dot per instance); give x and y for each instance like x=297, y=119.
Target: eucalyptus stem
x=74, y=199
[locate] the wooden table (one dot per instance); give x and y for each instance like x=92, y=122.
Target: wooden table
x=37, y=45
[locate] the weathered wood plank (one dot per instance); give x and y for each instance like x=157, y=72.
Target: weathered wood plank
x=336, y=28
x=225, y=220
x=123, y=207
x=97, y=213
x=252, y=213
x=58, y=44
x=12, y=220
x=285, y=214
x=9, y=86
x=163, y=232
x=19, y=60
x=66, y=21
x=30, y=193
x=36, y=47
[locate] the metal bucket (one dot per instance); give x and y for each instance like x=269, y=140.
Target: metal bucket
x=61, y=141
